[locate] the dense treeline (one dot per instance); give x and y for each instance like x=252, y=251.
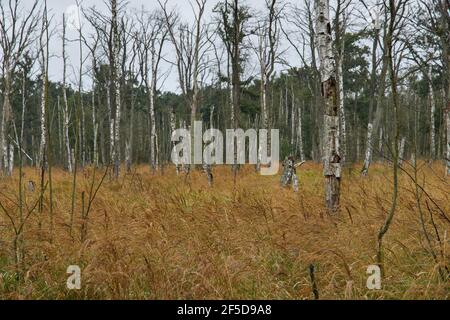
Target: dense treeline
x=289, y=92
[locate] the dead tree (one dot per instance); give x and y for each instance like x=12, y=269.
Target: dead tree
x=375, y=121
x=151, y=38
x=268, y=39
x=116, y=74
x=191, y=45
x=233, y=19
x=190, y=48
x=66, y=103
x=93, y=47
x=44, y=62
x=17, y=32
x=109, y=28
x=301, y=35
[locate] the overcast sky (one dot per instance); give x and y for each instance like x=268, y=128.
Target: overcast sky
x=58, y=7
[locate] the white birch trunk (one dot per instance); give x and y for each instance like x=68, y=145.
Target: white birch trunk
x=94, y=125
x=117, y=130
x=83, y=116
x=129, y=142
x=343, y=127
x=263, y=89
x=128, y=155
x=172, y=129
x=60, y=130
x=432, y=115
x=358, y=145
x=11, y=160
x=293, y=110
x=332, y=159
x=66, y=104
x=5, y=121
x=368, y=155
x=286, y=106
x=448, y=141
x=231, y=90
x=152, y=89
x=43, y=141
x=24, y=107
x=116, y=79
x=300, y=135
x=207, y=167
x=380, y=142
x=111, y=120
x=83, y=132
x=373, y=125
x=401, y=152
x=211, y=118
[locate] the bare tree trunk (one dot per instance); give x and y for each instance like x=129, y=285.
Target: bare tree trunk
x=401, y=151
x=369, y=141
x=263, y=90
x=286, y=105
x=10, y=160
x=24, y=107
x=340, y=28
x=82, y=123
x=432, y=115
x=152, y=124
x=83, y=131
x=342, y=122
x=300, y=135
x=207, y=167
x=380, y=143
x=447, y=117
x=172, y=129
x=110, y=117
x=6, y=121
x=332, y=159
x=94, y=113
x=16, y=35
x=66, y=104
x=60, y=132
x=42, y=144
x=293, y=110
x=379, y=106
x=129, y=142
x=117, y=93
x=236, y=69
x=43, y=109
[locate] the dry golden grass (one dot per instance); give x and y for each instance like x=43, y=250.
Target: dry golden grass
x=160, y=237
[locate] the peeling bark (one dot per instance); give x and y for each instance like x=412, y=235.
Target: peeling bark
x=342, y=123
x=332, y=158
